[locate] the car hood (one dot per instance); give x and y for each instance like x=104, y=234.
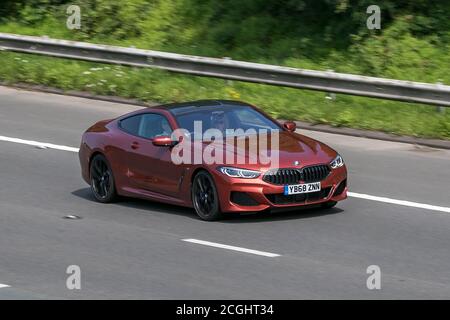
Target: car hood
x=293, y=150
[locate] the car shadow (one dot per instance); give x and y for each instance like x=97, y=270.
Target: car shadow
x=141, y=204
x=288, y=214
x=264, y=216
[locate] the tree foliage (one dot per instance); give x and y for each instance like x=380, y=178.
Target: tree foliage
x=329, y=33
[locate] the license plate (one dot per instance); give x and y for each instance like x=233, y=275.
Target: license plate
x=301, y=188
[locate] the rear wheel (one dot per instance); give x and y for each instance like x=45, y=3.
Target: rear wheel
x=204, y=197
x=102, y=180
x=329, y=204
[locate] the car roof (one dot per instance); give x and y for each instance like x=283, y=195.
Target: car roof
x=200, y=103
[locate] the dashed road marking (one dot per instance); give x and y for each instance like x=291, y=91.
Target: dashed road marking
x=38, y=144
x=399, y=202
x=240, y=249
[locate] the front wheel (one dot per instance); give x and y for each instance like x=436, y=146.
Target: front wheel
x=102, y=180
x=204, y=197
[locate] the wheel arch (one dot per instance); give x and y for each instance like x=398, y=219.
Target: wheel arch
x=92, y=156
x=196, y=171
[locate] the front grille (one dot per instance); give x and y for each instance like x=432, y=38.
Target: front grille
x=279, y=198
x=315, y=173
x=294, y=176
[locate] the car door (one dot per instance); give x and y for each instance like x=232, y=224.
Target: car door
x=150, y=167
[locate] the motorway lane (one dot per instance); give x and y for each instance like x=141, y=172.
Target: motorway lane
x=33, y=115
x=133, y=249
x=386, y=165
x=394, y=170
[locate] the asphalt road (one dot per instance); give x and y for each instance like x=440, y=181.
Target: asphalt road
x=134, y=249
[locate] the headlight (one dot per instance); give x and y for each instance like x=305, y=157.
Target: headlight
x=337, y=162
x=239, y=173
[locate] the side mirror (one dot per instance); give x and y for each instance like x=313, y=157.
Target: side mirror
x=290, y=126
x=164, y=141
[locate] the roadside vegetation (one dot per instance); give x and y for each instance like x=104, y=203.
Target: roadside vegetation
x=413, y=44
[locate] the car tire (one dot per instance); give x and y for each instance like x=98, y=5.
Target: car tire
x=102, y=180
x=328, y=205
x=205, y=198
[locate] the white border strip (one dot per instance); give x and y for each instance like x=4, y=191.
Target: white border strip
x=398, y=202
x=4, y=286
x=39, y=144
x=224, y=246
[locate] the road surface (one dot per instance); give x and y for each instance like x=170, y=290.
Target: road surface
x=137, y=250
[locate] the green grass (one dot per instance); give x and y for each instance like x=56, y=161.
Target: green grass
x=160, y=86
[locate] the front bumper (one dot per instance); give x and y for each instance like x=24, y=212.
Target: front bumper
x=252, y=195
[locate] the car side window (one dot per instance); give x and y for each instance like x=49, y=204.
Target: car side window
x=154, y=125
x=131, y=124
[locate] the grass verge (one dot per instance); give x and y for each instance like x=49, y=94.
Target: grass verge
x=286, y=103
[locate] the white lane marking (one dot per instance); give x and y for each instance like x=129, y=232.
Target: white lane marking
x=224, y=246
x=3, y=286
x=399, y=202
x=39, y=144
x=350, y=194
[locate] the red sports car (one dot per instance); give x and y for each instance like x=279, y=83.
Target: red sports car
x=216, y=156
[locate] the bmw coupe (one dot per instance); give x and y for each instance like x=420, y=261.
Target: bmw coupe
x=217, y=156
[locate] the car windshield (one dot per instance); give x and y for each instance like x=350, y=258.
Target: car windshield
x=229, y=119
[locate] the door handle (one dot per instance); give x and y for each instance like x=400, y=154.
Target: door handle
x=135, y=145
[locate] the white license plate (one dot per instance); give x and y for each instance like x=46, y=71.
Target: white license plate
x=301, y=188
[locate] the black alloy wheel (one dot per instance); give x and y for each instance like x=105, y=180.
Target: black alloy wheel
x=102, y=180
x=204, y=197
